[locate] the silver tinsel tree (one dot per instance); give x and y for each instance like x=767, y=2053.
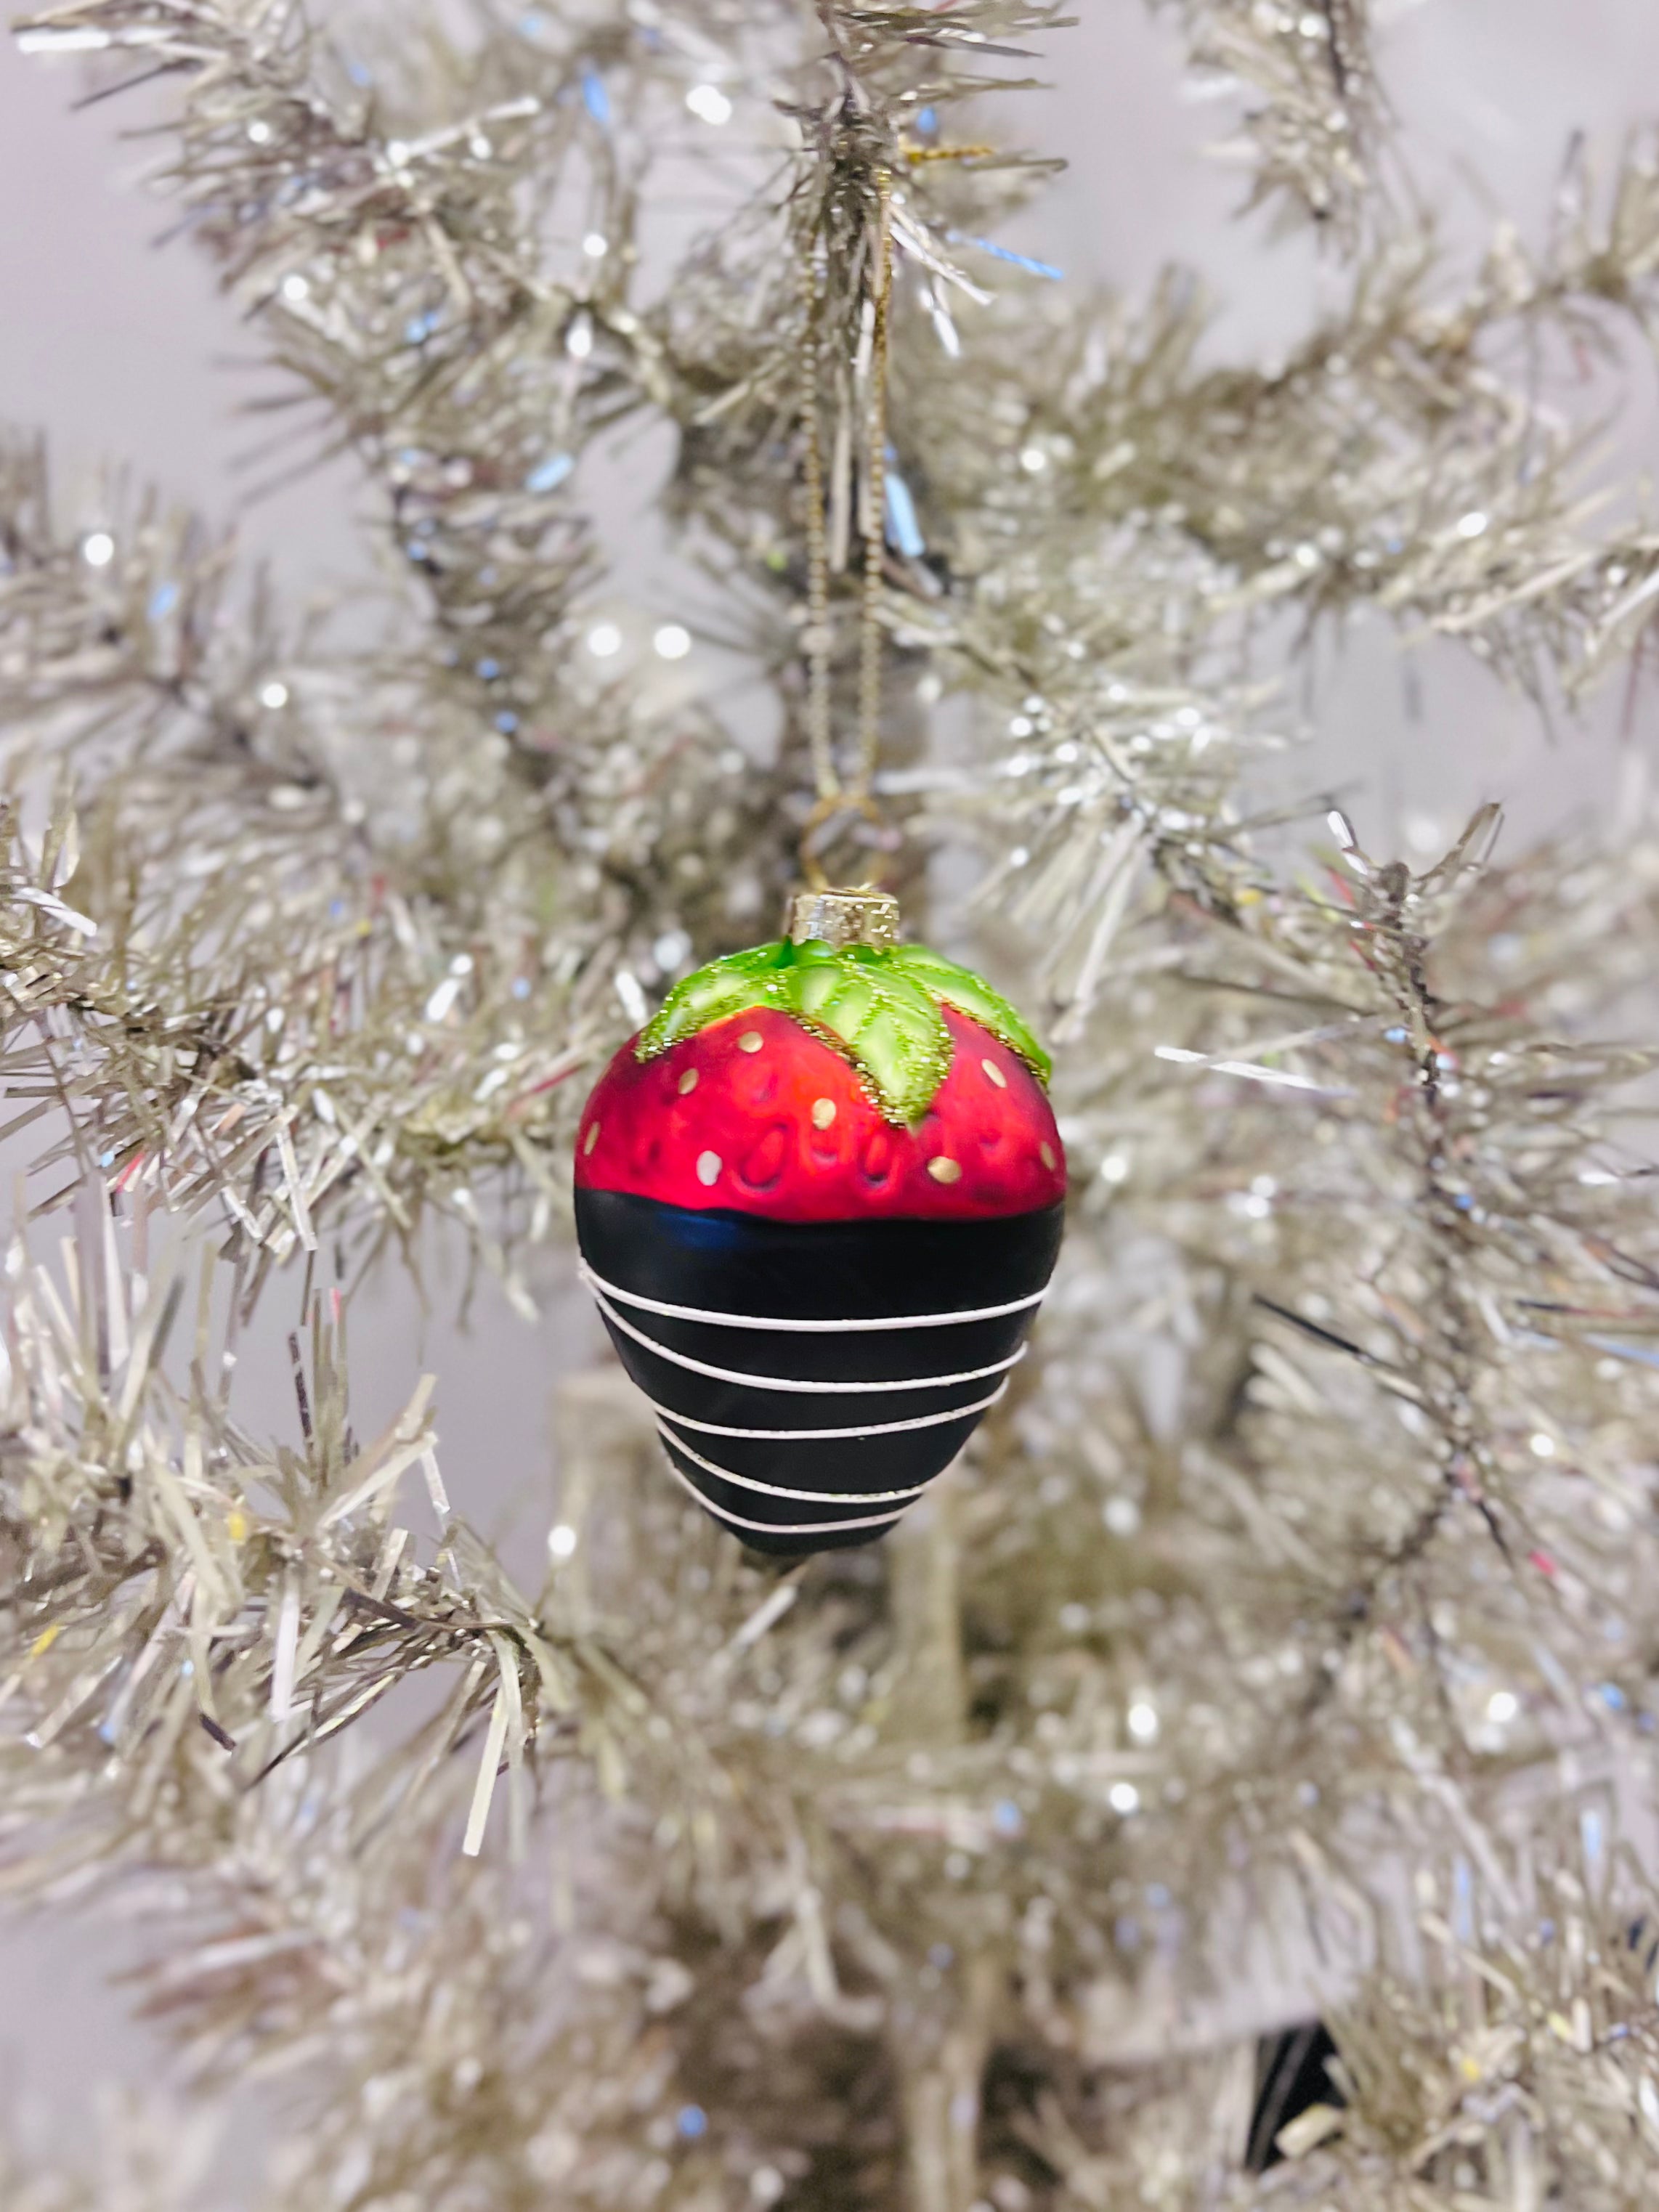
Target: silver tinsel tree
x=1285, y=1645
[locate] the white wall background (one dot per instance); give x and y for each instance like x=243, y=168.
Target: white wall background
x=119, y=351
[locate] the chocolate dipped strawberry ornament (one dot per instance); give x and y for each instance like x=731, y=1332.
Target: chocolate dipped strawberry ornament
x=818, y=1199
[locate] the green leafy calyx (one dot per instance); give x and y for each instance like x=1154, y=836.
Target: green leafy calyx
x=879, y=1006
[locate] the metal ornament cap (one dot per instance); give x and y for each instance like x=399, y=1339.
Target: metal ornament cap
x=840, y=918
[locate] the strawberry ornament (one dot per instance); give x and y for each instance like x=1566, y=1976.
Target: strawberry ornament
x=818, y=1199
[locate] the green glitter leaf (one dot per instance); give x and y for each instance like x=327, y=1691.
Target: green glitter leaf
x=891, y=1031
x=972, y=995
x=728, y=986
x=878, y=1007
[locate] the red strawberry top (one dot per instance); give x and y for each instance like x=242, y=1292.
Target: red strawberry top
x=833, y=1075
x=757, y=1114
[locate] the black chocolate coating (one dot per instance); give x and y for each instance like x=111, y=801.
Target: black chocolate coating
x=853, y=1271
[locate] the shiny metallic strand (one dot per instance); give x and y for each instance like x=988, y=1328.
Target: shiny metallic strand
x=1286, y=1640
x=1313, y=123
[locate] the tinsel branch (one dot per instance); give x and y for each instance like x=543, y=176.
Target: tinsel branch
x=1314, y=116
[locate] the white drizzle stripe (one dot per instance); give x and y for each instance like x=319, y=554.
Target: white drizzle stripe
x=816, y=1435
x=776, y=1490
x=779, y=1528
x=787, y=1382
x=599, y=1285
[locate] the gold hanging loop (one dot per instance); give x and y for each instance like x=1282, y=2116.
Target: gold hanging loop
x=854, y=797
x=875, y=514
x=837, y=805
x=817, y=640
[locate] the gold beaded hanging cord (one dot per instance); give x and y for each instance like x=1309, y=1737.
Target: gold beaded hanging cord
x=837, y=798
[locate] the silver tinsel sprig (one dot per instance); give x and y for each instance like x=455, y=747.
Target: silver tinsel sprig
x=1313, y=121
x=197, y=1612
x=435, y=998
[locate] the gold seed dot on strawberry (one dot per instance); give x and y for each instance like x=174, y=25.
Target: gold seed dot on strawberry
x=795, y=1133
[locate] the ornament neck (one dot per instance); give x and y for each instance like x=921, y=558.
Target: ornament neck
x=838, y=918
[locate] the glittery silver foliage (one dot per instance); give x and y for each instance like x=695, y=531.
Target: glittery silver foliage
x=1285, y=1649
